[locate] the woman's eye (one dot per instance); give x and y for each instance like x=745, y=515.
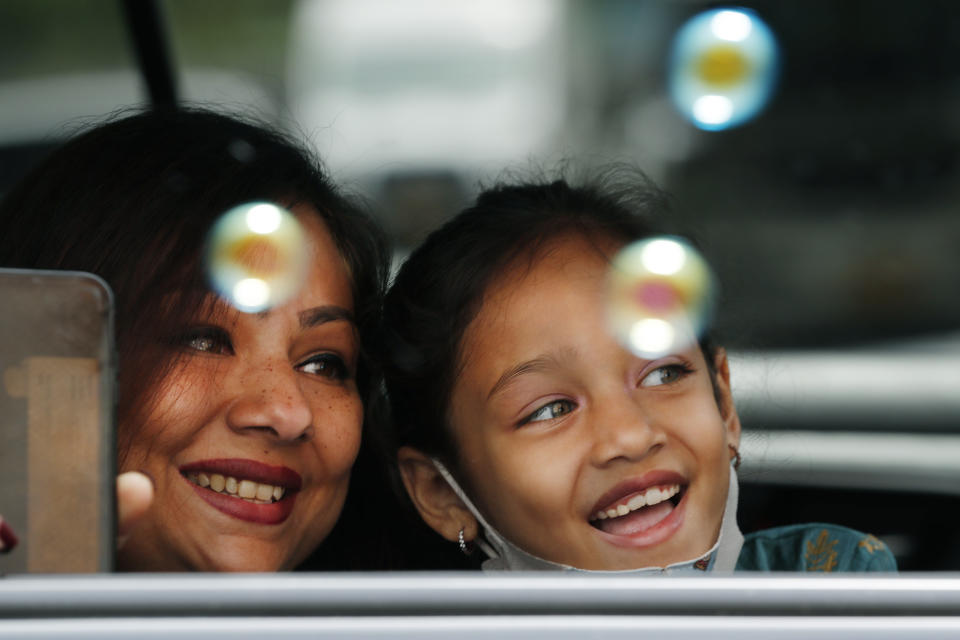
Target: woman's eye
x=325, y=365
x=208, y=340
x=665, y=375
x=550, y=411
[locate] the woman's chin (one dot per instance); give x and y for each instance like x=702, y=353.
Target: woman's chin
x=235, y=556
x=246, y=556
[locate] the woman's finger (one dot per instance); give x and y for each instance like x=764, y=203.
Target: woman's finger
x=134, y=496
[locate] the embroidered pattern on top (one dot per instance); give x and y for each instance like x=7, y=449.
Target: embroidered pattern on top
x=871, y=543
x=821, y=555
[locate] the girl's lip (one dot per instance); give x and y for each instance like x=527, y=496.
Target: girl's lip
x=655, y=535
x=625, y=488
x=249, y=470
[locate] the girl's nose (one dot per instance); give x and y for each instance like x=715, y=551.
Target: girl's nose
x=270, y=401
x=622, y=430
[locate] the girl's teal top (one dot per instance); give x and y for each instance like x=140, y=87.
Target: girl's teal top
x=815, y=547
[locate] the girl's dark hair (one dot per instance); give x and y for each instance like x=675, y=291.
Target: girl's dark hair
x=132, y=200
x=440, y=288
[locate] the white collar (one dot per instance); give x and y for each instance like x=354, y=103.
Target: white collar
x=503, y=555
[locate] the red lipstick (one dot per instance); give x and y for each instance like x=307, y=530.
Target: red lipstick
x=241, y=469
x=249, y=470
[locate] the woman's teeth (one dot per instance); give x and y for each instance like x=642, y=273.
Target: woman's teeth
x=249, y=490
x=648, y=498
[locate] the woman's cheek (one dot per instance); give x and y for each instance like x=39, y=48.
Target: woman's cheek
x=340, y=435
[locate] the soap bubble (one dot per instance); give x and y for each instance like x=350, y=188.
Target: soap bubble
x=660, y=296
x=723, y=68
x=257, y=256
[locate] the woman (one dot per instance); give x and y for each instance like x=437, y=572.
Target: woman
x=210, y=398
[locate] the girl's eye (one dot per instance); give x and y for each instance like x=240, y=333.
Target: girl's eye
x=665, y=375
x=208, y=340
x=550, y=411
x=326, y=365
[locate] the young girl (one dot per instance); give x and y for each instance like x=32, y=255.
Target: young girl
x=525, y=427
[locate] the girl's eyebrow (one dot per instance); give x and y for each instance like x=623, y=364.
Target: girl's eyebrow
x=539, y=364
x=323, y=314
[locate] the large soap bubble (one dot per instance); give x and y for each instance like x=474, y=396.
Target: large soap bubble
x=660, y=296
x=723, y=67
x=257, y=256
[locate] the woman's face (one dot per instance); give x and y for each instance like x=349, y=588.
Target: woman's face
x=559, y=427
x=252, y=435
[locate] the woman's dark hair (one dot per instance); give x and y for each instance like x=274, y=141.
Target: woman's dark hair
x=440, y=288
x=132, y=200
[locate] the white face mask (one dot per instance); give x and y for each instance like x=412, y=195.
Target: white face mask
x=503, y=555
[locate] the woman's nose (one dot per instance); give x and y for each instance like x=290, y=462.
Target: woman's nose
x=270, y=401
x=622, y=430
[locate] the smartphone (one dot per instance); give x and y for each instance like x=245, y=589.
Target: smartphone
x=57, y=409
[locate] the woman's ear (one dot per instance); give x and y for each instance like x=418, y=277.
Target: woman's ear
x=436, y=501
x=727, y=410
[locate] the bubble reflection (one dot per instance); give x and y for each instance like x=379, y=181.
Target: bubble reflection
x=660, y=296
x=256, y=256
x=723, y=68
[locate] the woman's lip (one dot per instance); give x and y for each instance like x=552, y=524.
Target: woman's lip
x=655, y=535
x=272, y=513
x=243, y=469
x=625, y=488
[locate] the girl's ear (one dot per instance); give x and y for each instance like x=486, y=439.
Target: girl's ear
x=729, y=412
x=438, y=505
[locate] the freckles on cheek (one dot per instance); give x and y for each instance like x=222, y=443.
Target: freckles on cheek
x=339, y=428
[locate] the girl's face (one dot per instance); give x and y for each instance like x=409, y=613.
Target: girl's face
x=559, y=427
x=252, y=435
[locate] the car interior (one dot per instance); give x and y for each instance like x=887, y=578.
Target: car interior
x=828, y=211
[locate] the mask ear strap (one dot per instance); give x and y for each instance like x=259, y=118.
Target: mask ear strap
x=487, y=529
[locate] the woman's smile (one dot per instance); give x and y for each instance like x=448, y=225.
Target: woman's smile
x=255, y=429
x=245, y=489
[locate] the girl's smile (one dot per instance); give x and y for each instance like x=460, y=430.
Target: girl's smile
x=647, y=512
x=575, y=449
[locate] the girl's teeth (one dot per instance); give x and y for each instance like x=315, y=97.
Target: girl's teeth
x=650, y=497
x=248, y=490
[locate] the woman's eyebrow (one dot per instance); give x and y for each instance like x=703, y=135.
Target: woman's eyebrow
x=323, y=314
x=540, y=363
